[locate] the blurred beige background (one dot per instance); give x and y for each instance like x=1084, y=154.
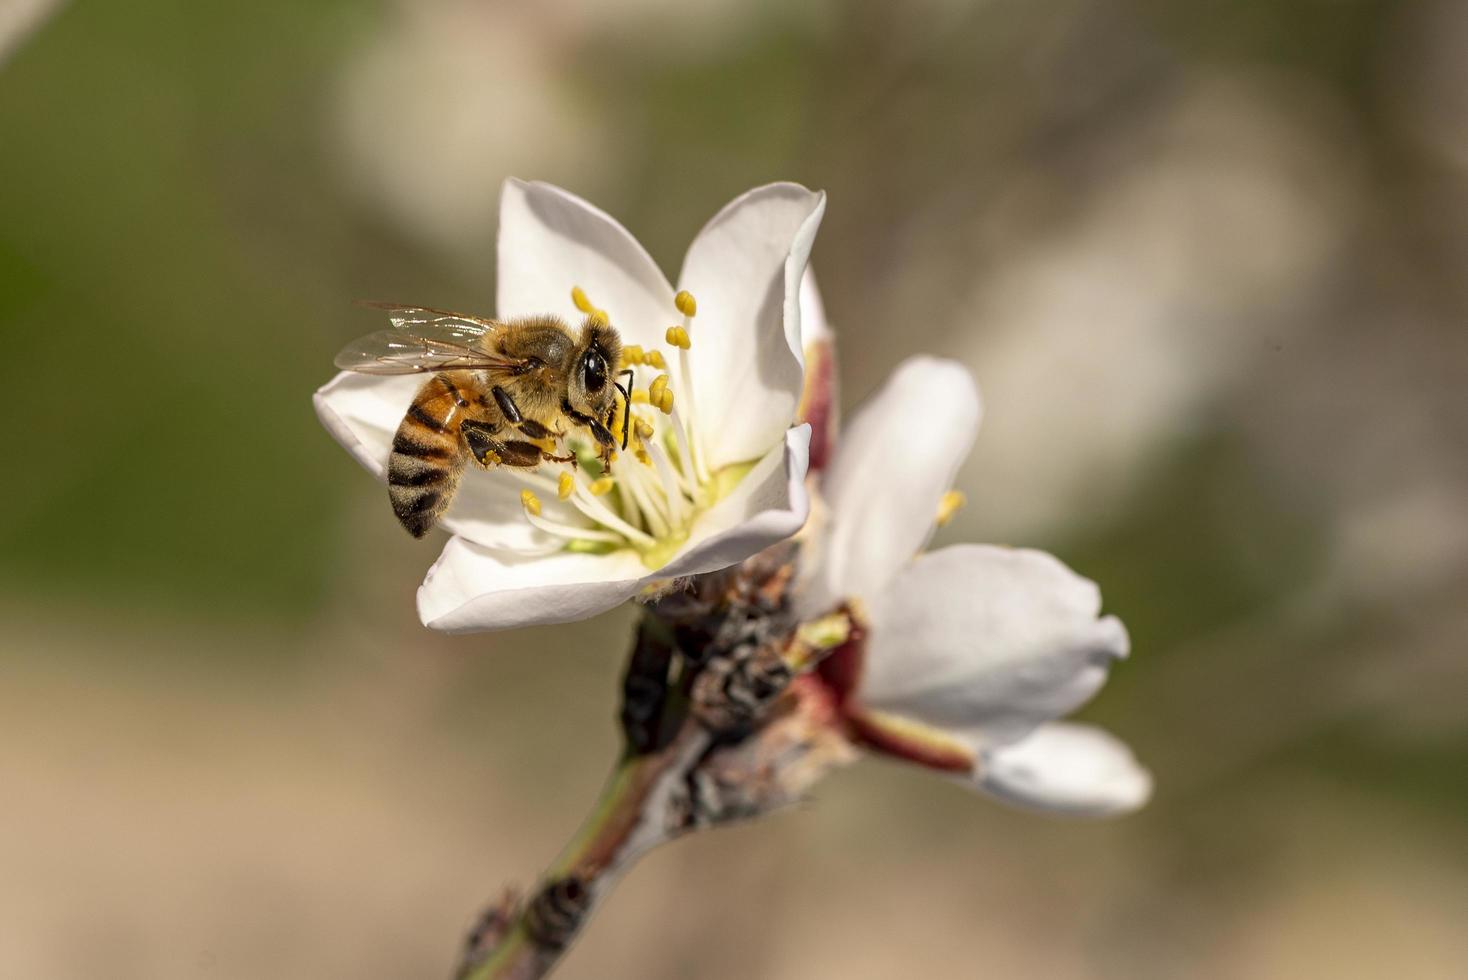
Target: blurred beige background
x=1207, y=260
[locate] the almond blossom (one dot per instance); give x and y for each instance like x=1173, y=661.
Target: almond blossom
x=716, y=468
x=967, y=655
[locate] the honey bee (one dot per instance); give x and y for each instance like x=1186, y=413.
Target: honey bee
x=502, y=393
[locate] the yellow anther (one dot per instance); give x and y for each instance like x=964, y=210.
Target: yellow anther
x=644, y=429
x=665, y=403
x=678, y=337
x=567, y=484
x=951, y=503
x=643, y=457
x=632, y=354
x=602, y=485
x=599, y=317
x=491, y=458
x=685, y=302
x=530, y=502
x=639, y=396
x=578, y=296
x=656, y=389
x=654, y=359
x=827, y=632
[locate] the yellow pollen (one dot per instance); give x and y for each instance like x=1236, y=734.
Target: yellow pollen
x=639, y=397
x=566, y=485
x=643, y=457
x=951, y=504
x=602, y=485
x=632, y=354
x=665, y=403
x=685, y=302
x=616, y=427
x=656, y=389
x=644, y=429
x=678, y=337
x=491, y=458
x=578, y=296
x=654, y=359
x=530, y=502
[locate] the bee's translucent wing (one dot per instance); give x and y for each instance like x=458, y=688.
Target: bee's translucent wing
x=423, y=339
x=428, y=321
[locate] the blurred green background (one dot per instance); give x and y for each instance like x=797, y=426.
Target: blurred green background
x=1207, y=260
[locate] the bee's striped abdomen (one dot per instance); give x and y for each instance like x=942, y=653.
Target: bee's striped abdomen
x=427, y=454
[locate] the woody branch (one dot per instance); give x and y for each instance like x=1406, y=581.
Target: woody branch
x=715, y=731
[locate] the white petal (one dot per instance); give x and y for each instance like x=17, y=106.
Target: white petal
x=745, y=269
x=362, y=412
x=989, y=641
x=813, y=325
x=551, y=240
x=487, y=511
x=892, y=465
x=768, y=506
x=472, y=588
x=1066, y=768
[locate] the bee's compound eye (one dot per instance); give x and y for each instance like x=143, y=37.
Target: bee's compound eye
x=594, y=371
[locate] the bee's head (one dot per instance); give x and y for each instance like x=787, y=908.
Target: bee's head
x=590, y=389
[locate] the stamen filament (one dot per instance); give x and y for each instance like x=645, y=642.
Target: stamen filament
x=532, y=477
x=685, y=454
x=688, y=306
x=628, y=506
x=572, y=533
x=633, y=480
x=697, y=454
x=677, y=503
x=593, y=508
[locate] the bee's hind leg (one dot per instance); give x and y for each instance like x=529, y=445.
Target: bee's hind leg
x=483, y=441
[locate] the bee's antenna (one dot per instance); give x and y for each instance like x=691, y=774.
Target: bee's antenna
x=627, y=403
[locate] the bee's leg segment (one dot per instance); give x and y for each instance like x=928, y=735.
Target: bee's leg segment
x=626, y=403
x=480, y=438
x=489, y=448
x=550, y=458
x=602, y=433
x=513, y=415
x=518, y=453
x=507, y=405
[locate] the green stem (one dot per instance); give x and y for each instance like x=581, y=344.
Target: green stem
x=628, y=818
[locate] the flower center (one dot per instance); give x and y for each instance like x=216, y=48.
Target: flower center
x=648, y=499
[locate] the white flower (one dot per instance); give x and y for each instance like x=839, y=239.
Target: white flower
x=971, y=652
x=720, y=473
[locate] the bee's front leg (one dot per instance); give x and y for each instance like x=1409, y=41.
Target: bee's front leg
x=606, y=443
